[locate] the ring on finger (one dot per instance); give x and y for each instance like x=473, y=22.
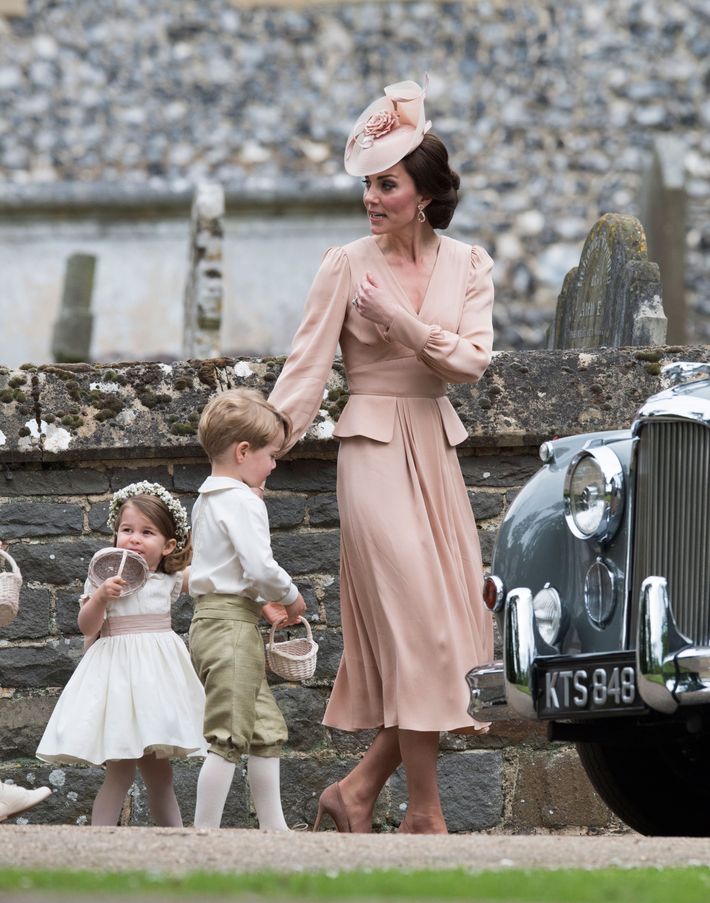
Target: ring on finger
x=354, y=301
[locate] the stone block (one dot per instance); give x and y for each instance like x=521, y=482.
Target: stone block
x=32, y=621
x=22, y=723
x=29, y=519
x=330, y=650
x=56, y=563
x=487, y=539
x=331, y=600
x=156, y=473
x=323, y=510
x=182, y=611
x=486, y=504
x=67, y=609
x=302, y=782
x=285, y=511
x=55, y=479
x=39, y=666
x=303, y=710
x=189, y=477
x=73, y=791
x=98, y=515
x=551, y=790
x=312, y=475
x=312, y=552
x=499, y=470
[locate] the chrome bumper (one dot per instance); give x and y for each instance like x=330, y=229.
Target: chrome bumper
x=503, y=690
x=671, y=671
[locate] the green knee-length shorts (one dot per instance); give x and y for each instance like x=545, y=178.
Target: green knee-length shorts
x=227, y=651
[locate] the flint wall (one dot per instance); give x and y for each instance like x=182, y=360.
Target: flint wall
x=104, y=426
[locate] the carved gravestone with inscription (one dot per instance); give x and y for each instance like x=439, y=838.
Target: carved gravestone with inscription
x=613, y=298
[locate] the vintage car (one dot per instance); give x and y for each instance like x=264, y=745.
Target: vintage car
x=600, y=582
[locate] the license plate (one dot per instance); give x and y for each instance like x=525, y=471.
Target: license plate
x=584, y=686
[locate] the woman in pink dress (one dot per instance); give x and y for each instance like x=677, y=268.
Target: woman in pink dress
x=411, y=310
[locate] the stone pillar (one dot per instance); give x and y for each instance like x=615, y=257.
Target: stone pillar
x=71, y=340
x=663, y=205
x=613, y=298
x=204, y=290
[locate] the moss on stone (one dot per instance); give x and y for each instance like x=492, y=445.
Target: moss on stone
x=652, y=355
x=180, y=428
x=17, y=381
x=23, y=432
x=72, y=420
x=6, y=396
x=653, y=369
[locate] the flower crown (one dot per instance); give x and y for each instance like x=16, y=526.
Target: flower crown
x=177, y=511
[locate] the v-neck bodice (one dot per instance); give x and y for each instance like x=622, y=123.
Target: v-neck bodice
x=392, y=276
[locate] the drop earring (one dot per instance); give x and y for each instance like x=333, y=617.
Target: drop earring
x=421, y=216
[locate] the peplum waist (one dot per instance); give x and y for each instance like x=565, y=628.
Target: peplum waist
x=403, y=377
x=375, y=391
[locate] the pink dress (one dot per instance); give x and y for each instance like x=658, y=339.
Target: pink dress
x=410, y=571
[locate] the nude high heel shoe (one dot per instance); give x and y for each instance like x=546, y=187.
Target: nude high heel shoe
x=331, y=803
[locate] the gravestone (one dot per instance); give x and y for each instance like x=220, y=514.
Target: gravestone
x=613, y=298
x=205, y=286
x=71, y=339
x=663, y=205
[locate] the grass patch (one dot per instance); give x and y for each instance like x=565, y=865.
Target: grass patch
x=646, y=885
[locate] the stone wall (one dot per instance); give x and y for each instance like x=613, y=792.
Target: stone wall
x=70, y=435
x=550, y=110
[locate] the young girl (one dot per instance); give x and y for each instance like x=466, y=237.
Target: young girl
x=134, y=699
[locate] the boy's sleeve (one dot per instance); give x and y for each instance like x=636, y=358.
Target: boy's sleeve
x=248, y=529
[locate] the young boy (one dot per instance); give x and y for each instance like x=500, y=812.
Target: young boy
x=233, y=574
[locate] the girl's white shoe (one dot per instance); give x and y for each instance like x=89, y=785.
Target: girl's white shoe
x=14, y=799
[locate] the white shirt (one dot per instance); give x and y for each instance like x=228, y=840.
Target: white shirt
x=232, y=545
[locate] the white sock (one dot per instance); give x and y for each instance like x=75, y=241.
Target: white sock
x=263, y=773
x=213, y=785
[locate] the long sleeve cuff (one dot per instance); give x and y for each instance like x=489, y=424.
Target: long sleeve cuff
x=290, y=596
x=408, y=330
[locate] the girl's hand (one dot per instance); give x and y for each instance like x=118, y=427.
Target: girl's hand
x=373, y=302
x=111, y=588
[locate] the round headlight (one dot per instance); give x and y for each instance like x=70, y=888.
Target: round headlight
x=547, y=607
x=594, y=494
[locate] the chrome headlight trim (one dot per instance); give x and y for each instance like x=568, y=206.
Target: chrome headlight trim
x=611, y=482
x=600, y=610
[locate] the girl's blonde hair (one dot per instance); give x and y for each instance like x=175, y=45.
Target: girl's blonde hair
x=159, y=515
x=240, y=415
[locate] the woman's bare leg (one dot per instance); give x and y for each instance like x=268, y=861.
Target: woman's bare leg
x=363, y=785
x=420, y=751
x=158, y=776
x=109, y=800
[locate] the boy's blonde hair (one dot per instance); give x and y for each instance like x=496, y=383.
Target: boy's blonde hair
x=240, y=415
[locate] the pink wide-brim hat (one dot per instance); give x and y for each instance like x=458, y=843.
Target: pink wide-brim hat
x=386, y=131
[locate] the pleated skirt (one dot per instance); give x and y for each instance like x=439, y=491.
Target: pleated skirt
x=411, y=581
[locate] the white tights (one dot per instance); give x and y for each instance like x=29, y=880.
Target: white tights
x=158, y=777
x=264, y=783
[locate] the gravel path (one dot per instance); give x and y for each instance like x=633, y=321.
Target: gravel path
x=178, y=851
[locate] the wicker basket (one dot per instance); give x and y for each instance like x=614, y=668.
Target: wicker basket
x=10, y=583
x=112, y=562
x=292, y=659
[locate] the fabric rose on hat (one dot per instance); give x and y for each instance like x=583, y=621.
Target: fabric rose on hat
x=380, y=124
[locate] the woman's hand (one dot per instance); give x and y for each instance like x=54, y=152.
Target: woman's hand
x=373, y=302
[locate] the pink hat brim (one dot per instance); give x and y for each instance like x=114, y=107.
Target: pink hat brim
x=407, y=100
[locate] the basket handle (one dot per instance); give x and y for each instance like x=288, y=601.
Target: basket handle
x=278, y=626
x=11, y=561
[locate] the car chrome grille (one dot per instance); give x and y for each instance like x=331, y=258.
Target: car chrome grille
x=672, y=513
